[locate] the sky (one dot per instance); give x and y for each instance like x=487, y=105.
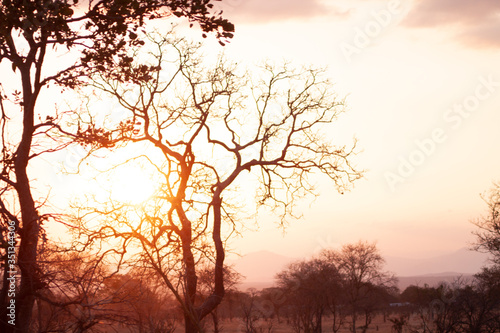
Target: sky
x=422, y=86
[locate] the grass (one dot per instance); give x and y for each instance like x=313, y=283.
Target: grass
x=274, y=326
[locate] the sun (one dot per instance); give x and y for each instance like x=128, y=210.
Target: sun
x=131, y=184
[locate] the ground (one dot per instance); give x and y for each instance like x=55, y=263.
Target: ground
x=237, y=326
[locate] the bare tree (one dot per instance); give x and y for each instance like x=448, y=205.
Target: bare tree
x=208, y=127
x=143, y=300
x=30, y=33
x=488, y=235
x=481, y=302
x=77, y=296
x=206, y=287
x=361, y=267
x=312, y=288
x=250, y=311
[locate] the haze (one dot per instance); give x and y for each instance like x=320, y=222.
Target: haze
x=423, y=91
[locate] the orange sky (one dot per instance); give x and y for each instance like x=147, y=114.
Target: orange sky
x=423, y=89
x=422, y=83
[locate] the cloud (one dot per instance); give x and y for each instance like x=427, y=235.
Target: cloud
x=261, y=11
x=476, y=22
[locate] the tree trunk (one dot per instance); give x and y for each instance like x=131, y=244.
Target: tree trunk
x=190, y=326
x=215, y=298
x=191, y=319
x=215, y=320
x=27, y=259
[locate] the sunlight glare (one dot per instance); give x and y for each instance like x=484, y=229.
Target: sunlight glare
x=131, y=185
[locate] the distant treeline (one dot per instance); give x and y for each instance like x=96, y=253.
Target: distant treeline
x=341, y=290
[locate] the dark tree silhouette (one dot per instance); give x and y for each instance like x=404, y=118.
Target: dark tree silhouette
x=206, y=287
x=209, y=126
x=488, y=235
x=311, y=289
x=32, y=32
x=361, y=267
x=81, y=294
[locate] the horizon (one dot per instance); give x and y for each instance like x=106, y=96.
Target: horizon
x=259, y=269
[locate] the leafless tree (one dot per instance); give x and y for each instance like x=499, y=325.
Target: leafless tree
x=32, y=32
x=361, y=267
x=250, y=311
x=312, y=288
x=214, y=129
x=488, y=235
x=77, y=296
x=206, y=287
x=83, y=295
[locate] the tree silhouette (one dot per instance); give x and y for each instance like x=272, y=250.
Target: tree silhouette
x=31, y=33
x=488, y=235
x=210, y=127
x=361, y=267
x=80, y=295
x=312, y=288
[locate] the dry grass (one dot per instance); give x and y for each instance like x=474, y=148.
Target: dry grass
x=236, y=326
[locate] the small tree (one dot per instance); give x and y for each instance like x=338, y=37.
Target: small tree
x=250, y=311
x=206, y=287
x=79, y=295
x=488, y=235
x=208, y=127
x=361, y=267
x=312, y=288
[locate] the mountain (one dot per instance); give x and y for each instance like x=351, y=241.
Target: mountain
x=459, y=262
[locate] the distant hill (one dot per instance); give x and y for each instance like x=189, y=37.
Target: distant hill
x=260, y=268
x=462, y=261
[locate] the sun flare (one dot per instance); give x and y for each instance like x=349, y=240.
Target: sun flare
x=131, y=185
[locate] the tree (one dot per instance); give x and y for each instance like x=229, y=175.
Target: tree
x=143, y=302
x=31, y=32
x=274, y=300
x=488, y=235
x=209, y=126
x=206, y=287
x=312, y=288
x=474, y=306
x=360, y=265
x=81, y=294
x=250, y=311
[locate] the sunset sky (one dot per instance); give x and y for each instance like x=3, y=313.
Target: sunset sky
x=422, y=81
x=422, y=86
